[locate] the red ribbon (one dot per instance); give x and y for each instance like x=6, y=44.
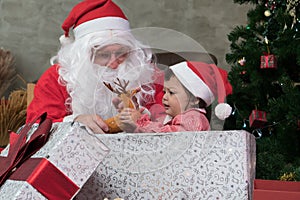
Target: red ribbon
x=20, y=149
x=259, y=115
x=38, y=172
x=46, y=178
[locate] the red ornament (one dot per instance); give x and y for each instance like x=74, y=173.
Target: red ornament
x=244, y=76
x=244, y=72
x=257, y=118
x=268, y=61
x=270, y=4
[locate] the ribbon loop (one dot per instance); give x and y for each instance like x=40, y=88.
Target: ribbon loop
x=20, y=149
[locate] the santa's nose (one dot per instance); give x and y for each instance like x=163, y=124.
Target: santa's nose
x=113, y=62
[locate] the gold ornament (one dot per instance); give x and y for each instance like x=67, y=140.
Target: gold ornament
x=267, y=13
x=291, y=176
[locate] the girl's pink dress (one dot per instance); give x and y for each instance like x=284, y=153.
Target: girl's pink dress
x=190, y=120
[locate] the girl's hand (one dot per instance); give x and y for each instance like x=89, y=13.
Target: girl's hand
x=128, y=118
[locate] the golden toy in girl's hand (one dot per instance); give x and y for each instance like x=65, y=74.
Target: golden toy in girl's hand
x=126, y=98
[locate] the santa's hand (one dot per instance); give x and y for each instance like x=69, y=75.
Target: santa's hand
x=93, y=122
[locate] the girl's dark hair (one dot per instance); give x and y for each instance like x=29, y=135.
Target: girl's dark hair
x=169, y=73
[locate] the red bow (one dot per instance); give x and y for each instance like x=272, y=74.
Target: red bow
x=20, y=149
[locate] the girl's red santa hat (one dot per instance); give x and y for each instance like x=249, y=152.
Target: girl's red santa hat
x=91, y=16
x=205, y=81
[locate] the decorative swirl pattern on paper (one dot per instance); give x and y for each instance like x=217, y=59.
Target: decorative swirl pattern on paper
x=190, y=165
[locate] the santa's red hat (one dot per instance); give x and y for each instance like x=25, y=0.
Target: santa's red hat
x=91, y=16
x=205, y=81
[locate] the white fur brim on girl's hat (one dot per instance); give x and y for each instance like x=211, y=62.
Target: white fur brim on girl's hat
x=205, y=81
x=93, y=16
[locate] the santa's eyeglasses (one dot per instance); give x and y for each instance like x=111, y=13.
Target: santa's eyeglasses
x=105, y=56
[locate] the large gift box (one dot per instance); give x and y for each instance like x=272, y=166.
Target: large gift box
x=182, y=165
x=60, y=168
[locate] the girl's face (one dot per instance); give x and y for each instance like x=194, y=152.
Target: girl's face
x=111, y=56
x=176, y=99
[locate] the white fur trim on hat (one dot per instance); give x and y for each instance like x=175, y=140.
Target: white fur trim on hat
x=223, y=111
x=101, y=24
x=194, y=83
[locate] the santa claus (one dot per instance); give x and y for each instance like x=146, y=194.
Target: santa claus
x=101, y=49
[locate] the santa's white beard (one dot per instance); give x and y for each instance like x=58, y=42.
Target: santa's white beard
x=90, y=95
x=93, y=97
x=103, y=96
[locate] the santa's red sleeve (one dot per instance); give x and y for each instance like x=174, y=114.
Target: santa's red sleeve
x=49, y=96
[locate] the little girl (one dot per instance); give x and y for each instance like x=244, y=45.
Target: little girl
x=189, y=87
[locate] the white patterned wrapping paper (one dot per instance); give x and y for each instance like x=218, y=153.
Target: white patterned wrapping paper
x=73, y=150
x=190, y=165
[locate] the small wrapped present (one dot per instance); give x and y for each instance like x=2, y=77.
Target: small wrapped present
x=59, y=169
x=257, y=118
x=268, y=61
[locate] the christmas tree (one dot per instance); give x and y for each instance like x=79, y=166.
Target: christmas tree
x=265, y=75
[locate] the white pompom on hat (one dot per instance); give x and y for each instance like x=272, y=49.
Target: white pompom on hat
x=91, y=16
x=205, y=81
